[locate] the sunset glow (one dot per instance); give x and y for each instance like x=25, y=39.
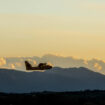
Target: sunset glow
x=63, y=27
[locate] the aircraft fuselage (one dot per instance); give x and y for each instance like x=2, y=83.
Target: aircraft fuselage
x=41, y=66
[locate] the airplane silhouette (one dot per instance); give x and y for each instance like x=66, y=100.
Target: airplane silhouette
x=41, y=66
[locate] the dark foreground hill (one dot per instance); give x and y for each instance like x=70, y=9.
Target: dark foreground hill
x=56, y=79
x=54, y=98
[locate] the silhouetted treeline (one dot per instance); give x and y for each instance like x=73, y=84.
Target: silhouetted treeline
x=95, y=97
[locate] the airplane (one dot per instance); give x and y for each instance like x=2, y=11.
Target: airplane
x=41, y=66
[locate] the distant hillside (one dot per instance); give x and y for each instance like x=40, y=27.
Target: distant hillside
x=56, y=79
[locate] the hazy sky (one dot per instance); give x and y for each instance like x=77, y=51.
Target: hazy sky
x=63, y=27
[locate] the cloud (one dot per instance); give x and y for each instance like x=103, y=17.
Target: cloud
x=86, y=62
x=97, y=66
x=2, y=61
x=18, y=64
x=34, y=62
x=55, y=60
x=103, y=61
x=12, y=66
x=49, y=63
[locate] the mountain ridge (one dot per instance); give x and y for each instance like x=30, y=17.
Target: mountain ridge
x=56, y=79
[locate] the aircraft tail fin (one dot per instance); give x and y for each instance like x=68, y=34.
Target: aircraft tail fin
x=28, y=65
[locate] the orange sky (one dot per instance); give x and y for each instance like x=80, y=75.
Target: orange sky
x=72, y=28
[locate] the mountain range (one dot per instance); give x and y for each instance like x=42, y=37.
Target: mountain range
x=57, y=79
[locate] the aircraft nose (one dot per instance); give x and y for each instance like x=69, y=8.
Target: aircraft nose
x=50, y=67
